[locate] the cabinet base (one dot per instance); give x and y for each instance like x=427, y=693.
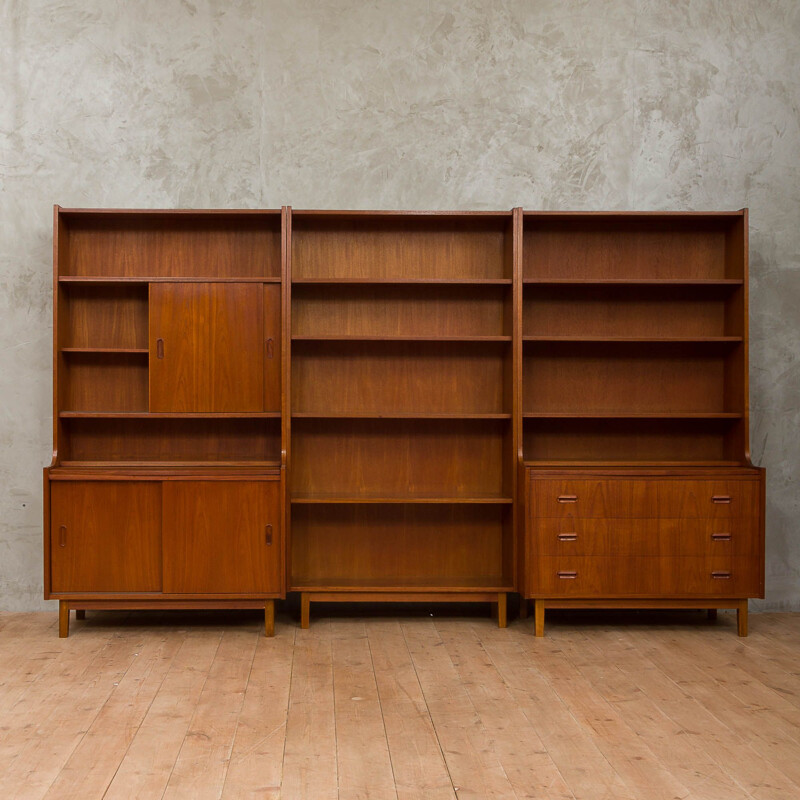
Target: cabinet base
x=540, y=604
x=81, y=606
x=497, y=599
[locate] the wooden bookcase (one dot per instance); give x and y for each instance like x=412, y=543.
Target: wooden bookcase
x=402, y=477
x=166, y=485
x=639, y=489
x=381, y=406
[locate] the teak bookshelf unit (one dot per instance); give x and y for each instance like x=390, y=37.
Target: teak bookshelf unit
x=402, y=476
x=401, y=406
x=638, y=487
x=168, y=475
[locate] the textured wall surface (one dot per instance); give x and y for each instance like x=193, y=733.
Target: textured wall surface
x=551, y=104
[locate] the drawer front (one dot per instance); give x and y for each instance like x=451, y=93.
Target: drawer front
x=643, y=576
x=594, y=499
x=565, y=536
x=708, y=499
x=616, y=498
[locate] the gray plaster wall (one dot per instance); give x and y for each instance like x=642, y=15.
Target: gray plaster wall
x=479, y=104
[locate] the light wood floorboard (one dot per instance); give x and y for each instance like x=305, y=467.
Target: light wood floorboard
x=615, y=706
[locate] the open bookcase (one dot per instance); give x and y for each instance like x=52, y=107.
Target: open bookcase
x=402, y=476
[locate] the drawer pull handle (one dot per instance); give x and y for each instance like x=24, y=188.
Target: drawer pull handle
x=268, y=534
x=62, y=536
x=567, y=537
x=159, y=348
x=721, y=575
x=568, y=498
x=720, y=537
x=270, y=348
x=721, y=498
x=567, y=574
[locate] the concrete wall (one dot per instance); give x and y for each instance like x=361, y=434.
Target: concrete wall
x=550, y=104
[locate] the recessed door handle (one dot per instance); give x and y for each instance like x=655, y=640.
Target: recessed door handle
x=720, y=537
x=62, y=536
x=721, y=575
x=567, y=537
x=568, y=498
x=268, y=534
x=270, y=348
x=721, y=498
x=159, y=348
x=567, y=574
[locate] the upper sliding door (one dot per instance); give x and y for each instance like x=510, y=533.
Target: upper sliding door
x=206, y=347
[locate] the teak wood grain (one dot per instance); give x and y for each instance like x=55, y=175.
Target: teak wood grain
x=222, y=537
x=105, y=537
x=399, y=377
x=206, y=347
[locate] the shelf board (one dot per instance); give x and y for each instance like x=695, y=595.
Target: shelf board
x=407, y=281
x=217, y=466
x=104, y=279
x=396, y=415
x=107, y=350
x=602, y=463
x=633, y=281
x=644, y=415
x=167, y=415
x=407, y=500
x=399, y=338
x=484, y=583
x=637, y=339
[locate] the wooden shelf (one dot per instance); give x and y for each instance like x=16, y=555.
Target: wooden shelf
x=406, y=500
x=638, y=339
x=167, y=415
x=107, y=350
x=396, y=415
x=699, y=282
x=478, y=583
x=409, y=338
x=406, y=281
x=105, y=279
x=643, y=415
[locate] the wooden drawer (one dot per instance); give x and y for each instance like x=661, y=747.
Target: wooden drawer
x=644, y=576
x=594, y=499
x=644, y=537
x=621, y=498
x=707, y=499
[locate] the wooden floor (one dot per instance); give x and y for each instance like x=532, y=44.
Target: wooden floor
x=605, y=707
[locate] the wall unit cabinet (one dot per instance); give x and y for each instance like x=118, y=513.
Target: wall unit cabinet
x=374, y=406
x=167, y=482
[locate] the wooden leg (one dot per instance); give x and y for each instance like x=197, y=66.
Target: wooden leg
x=63, y=619
x=80, y=613
x=741, y=617
x=523, y=608
x=269, y=618
x=305, y=609
x=538, y=617
x=712, y=614
x=502, y=615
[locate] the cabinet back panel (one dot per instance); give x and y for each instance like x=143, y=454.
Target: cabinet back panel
x=624, y=311
x=634, y=248
x=105, y=382
x=616, y=378
x=105, y=316
x=629, y=440
x=173, y=440
x=399, y=247
x=160, y=246
x=419, y=458
x=398, y=311
x=363, y=377
x=398, y=544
